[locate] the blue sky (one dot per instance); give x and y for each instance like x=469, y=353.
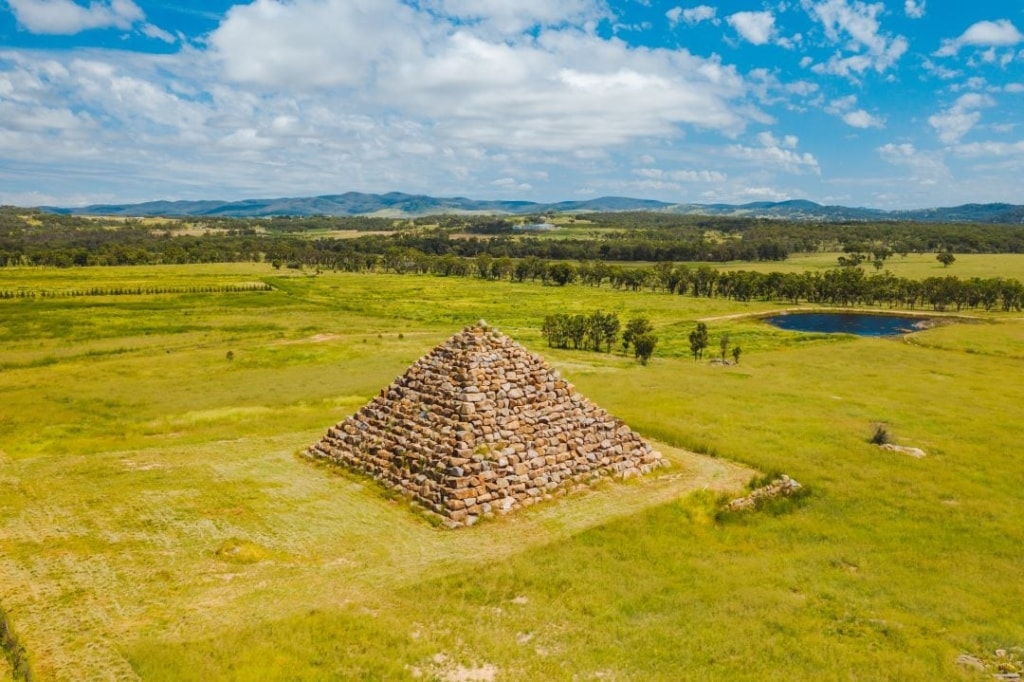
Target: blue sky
x=889, y=104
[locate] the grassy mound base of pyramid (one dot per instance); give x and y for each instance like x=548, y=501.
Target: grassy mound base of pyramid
x=482, y=426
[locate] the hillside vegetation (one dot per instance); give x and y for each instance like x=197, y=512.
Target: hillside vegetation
x=449, y=243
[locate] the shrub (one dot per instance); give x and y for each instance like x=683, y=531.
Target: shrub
x=881, y=435
x=643, y=346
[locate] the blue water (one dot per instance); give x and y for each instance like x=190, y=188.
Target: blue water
x=860, y=324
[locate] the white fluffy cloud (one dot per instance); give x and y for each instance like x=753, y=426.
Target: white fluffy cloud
x=560, y=89
x=755, y=27
x=157, y=33
x=503, y=17
x=1001, y=33
x=846, y=109
x=317, y=43
x=768, y=139
x=926, y=168
x=958, y=120
x=484, y=97
x=315, y=96
x=914, y=8
x=693, y=15
x=991, y=149
x=511, y=184
x=854, y=26
x=675, y=183
x=776, y=153
x=681, y=176
x=862, y=119
x=65, y=17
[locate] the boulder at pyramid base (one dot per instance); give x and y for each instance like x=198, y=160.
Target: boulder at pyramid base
x=479, y=426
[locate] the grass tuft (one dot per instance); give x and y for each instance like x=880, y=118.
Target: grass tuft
x=14, y=653
x=237, y=551
x=880, y=436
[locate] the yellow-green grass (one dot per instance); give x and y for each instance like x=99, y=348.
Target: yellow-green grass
x=169, y=276
x=911, y=266
x=156, y=523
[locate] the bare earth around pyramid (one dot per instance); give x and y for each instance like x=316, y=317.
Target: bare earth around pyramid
x=480, y=425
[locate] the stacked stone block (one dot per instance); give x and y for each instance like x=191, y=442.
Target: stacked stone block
x=480, y=426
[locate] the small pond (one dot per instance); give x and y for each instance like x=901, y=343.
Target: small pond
x=861, y=324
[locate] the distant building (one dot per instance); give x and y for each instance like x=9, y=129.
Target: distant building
x=534, y=227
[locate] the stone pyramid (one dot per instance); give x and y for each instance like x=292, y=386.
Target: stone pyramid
x=480, y=425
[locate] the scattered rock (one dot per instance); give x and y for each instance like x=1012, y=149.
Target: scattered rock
x=441, y=667
x=972, y=662
x=904, y=450
x=479, y=426
x=784, y=486
x=1002, y=664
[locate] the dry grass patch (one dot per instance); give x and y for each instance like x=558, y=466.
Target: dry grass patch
x=189, y=543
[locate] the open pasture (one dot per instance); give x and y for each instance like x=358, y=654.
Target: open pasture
x=156, y=523
x=911, y=266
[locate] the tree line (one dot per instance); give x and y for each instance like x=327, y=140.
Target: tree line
x=23, y=292
x=38, y=238
x=900, y=237
x=841, y=286
x=598, y=331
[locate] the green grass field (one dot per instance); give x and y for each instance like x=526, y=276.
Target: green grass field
x=156, y=523
x=912, y=266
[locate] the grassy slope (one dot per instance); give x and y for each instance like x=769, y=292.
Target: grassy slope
x=914, y=266
x=156, y=522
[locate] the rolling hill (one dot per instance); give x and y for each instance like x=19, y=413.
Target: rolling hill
x=398, y=204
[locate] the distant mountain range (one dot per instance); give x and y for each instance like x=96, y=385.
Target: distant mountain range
x=397, y=204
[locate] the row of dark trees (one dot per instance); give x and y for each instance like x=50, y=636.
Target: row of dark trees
x=901, y=237
x=841, y=286
x=845, y=286
x=599, y=331
x=134, y=291
x=594, y=332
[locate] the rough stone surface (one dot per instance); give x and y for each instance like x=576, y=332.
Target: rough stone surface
x=784, y=486
x=1002, y=664
x=968, y=661
x=480, y=425
x=904, y=450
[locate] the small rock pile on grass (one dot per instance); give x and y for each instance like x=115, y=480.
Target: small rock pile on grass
x=916, y=453
x=480, y=426
x=783, y=486
x=1002, y=664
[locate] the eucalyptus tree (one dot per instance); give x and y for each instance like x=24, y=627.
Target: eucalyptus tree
x=699, y=340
